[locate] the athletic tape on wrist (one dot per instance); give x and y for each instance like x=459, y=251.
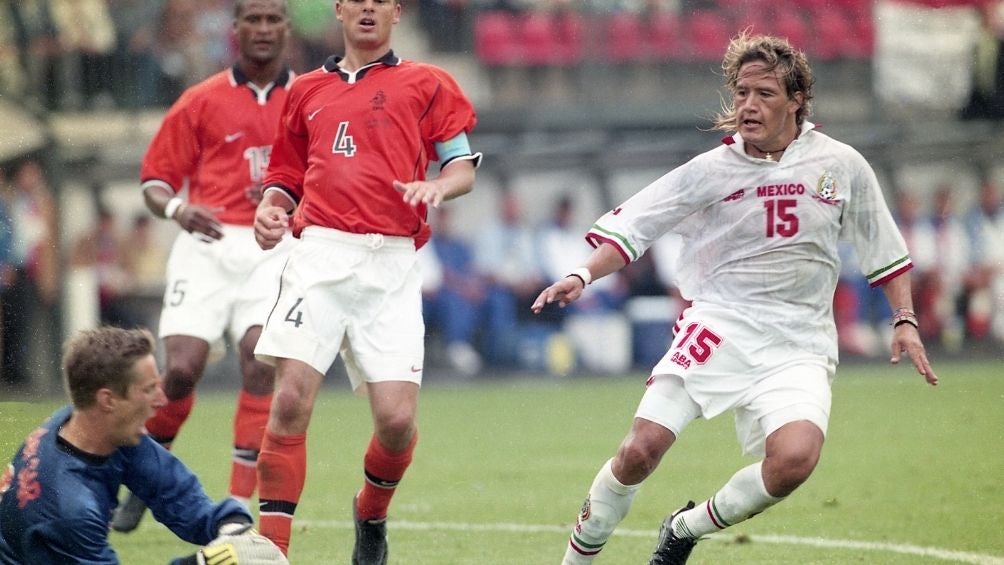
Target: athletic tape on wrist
x=172, y=207
x=583, y=275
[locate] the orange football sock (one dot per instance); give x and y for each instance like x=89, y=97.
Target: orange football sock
x=249, y=427
x=282, y=471
x=383, y=471
x=164, y=425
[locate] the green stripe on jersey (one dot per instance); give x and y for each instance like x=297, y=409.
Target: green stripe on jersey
x=620, y=238
x=885, y=270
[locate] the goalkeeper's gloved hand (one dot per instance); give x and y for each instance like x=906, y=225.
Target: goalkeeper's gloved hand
x=237, y=544
x=224, y=554
x=248, y=547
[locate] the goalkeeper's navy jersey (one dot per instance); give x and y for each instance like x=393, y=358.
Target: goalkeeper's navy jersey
x=56, y=501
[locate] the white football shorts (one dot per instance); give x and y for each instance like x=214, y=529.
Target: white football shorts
x=355, y=294
x=216, y=286
x=719, y=361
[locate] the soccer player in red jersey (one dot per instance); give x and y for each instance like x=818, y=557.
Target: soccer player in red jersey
x=349, y=165
x=216, y=140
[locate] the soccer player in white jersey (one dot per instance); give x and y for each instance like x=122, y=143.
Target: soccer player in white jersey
x=759, y=217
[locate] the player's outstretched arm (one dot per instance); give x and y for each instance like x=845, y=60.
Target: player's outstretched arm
x=906, y=337
x=604, y=260
x=271, y=219
x=456, y=179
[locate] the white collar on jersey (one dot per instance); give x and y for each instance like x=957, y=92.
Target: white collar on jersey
x=736, y=143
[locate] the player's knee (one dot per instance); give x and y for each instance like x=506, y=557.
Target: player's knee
x=790, y=468
x=180, y=378
x=395, y=430
x=638, y=460
x=290, y=407
x=258, y=378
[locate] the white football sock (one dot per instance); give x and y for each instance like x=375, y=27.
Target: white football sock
x=741, y=498
x=607, y=504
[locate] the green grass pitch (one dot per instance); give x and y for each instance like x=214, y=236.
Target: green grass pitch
x=910, y=474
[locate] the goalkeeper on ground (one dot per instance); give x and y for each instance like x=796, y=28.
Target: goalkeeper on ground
x=57, y=495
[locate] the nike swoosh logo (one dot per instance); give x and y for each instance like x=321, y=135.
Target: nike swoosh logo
x=230, y=138
x=415, y=369
x=311, y=115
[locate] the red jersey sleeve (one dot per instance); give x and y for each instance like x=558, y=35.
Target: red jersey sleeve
x=450, y=113
x=173, y=154
x=288, y=162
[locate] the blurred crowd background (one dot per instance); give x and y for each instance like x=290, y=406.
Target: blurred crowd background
x=581, y=103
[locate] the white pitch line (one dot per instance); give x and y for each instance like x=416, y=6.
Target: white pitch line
x=906, y=549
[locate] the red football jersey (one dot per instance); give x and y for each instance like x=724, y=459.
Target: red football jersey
x=345, y=137
x=218, y=135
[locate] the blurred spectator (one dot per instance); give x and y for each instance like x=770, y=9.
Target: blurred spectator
x=858, y=309
x=144, y=258
x=38, y=41
x=655, y=302
x=179, y=50
x=87, y=40
x=642, y=278
x=453, y=310
x=985, y=281
x=7, y=265
x=12, y=77
x=214, y=30
x=101, y=250
x=135, y=82
x=920, y=241
x=448, y=23
x=563, y=248
x=316, y=33
x=597, y=317
x=29, y=301
x=987, y=100
x=506, y=256
x=952, y=244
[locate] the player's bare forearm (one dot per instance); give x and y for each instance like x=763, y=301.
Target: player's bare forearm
x=156, y=198
x=604, y=260
x=906, y=336
x=193, y=218
x=456, y=179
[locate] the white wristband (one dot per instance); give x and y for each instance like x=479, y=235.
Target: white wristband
x=583, y=274
x=172, y=206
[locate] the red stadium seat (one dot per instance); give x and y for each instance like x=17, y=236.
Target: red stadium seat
x=538, y=39
x=709, y=33
x=790, y=25
x=569, y=28
x=833, y=34
x=623, y=38
x=495, y=39
x=863, y=28
x=663, y=37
